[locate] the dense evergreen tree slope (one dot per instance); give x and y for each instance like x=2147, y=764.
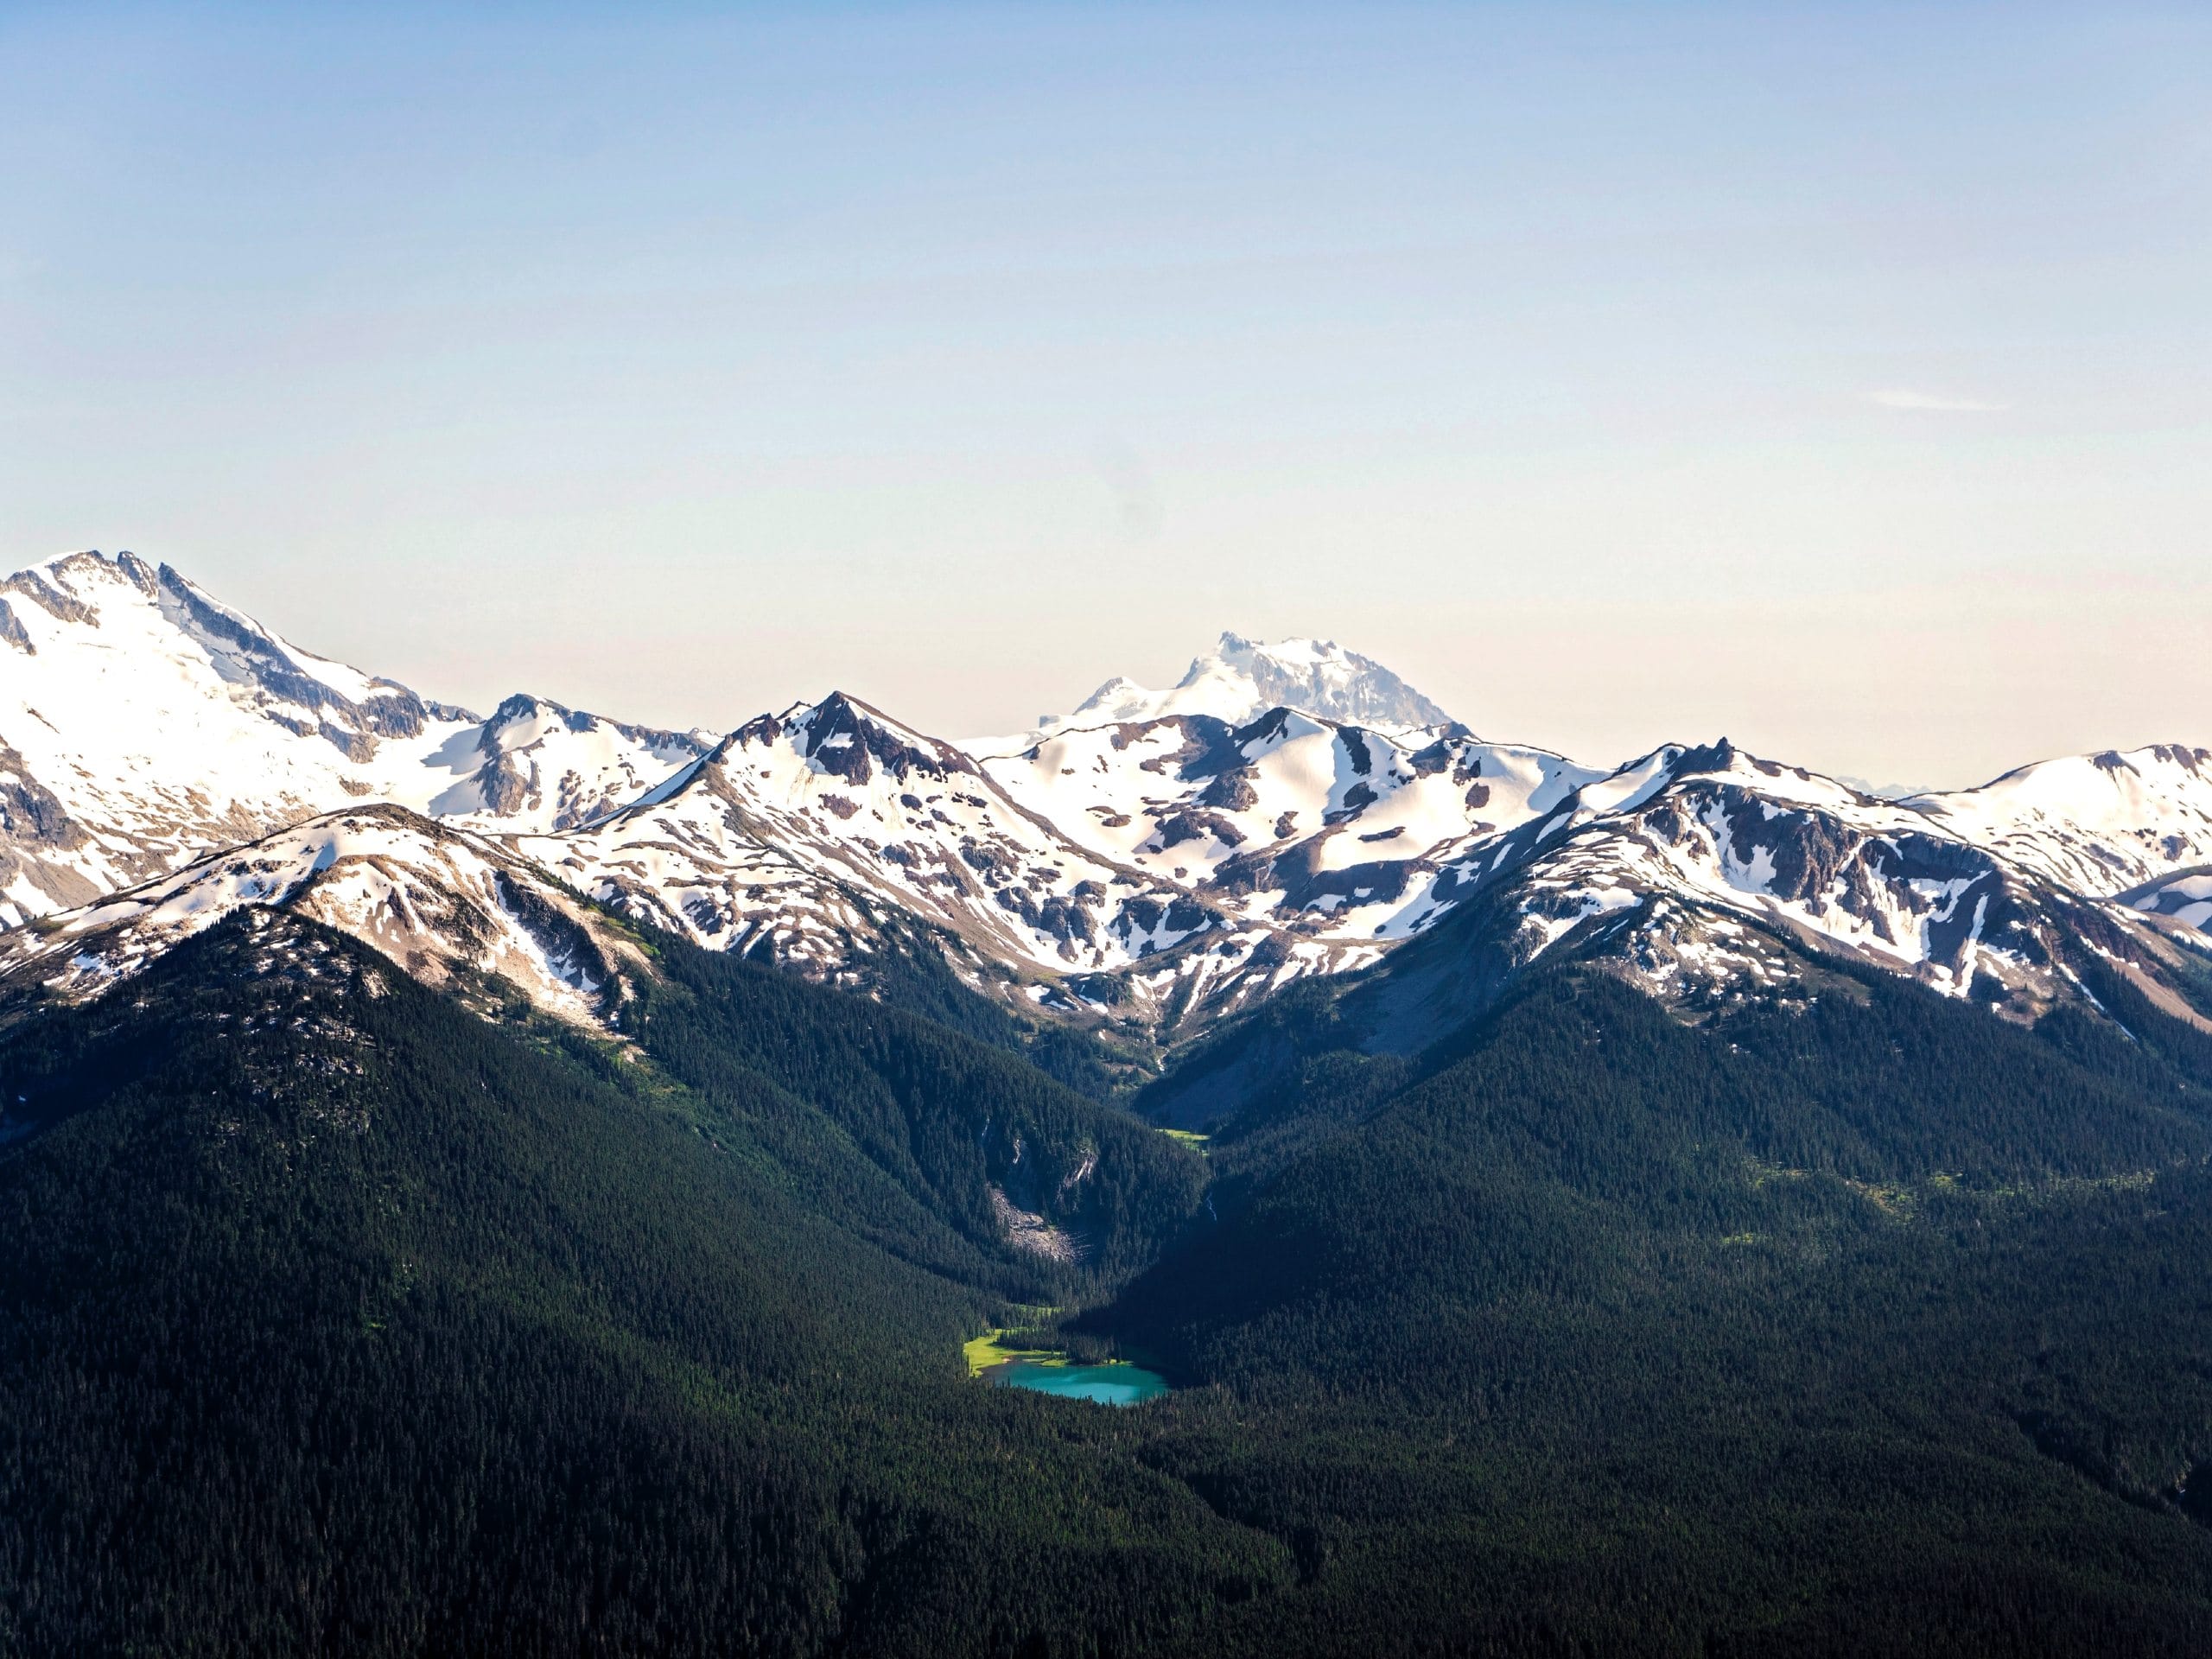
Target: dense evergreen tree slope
x=333, y=1318
x=1864, y=1320
x=945, y=1118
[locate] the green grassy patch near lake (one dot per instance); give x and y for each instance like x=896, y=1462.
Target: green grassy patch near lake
x=991, y=1349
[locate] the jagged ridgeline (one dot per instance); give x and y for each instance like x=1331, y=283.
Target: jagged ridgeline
x=524, y=1185
x=1132, y=872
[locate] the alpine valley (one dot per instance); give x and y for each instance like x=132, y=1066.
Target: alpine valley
x=522, y=1184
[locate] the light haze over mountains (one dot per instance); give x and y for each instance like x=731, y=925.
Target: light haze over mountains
x=1145, y=862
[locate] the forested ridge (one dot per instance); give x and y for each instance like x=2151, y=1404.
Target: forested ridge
x=334, y=1319
x=1880, y=1325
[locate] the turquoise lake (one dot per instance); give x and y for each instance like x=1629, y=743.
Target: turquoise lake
x=1110, y=1385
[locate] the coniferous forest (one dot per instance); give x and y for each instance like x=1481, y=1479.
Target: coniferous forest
x=336, y=1319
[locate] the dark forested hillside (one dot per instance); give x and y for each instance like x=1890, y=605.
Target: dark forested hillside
x=946, y=1117
x=1878, y=1324
x=334, y=1319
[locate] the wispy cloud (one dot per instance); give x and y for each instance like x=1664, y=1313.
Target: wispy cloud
x=1930, y=403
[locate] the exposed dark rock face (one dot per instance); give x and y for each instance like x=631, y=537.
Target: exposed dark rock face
x=1267, y=728
x=357, y=747
x=502, y=785
x=760, y=730
x=1146, y=914
x=1060, y=916
x=1231, y=791
x=1425, y=763
x=1206, y=745
x=1178, y=828
x=1357, y=799
x=2196, y=762
x=994, y=864
x=353, y=727
x=30, y=812
x=1305, y=884
x=844, y=739
x=1709, y=756
x=1245, y=874
x=40, y=592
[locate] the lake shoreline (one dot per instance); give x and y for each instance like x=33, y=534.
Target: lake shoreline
x=1047, y=1371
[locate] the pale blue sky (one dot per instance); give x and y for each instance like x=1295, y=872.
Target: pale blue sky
x=1838, y=378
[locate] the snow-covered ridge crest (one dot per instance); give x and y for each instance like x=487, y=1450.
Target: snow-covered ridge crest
x=1287, y=809
x=1717, y=828
x=2100, y=823
x=1324, y=828
x=303, y=692
x=1654, y=871
x=800, y=824
x=143, y=722
x=1693, y=834
x=2184, y=897
x=548, y=768
x=442, y=904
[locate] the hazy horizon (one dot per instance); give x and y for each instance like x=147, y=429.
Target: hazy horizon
x=1856, y=406
x=1063, y=706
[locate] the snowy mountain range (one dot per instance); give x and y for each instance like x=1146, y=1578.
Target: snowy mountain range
x=1144, y=864
x=143, y=723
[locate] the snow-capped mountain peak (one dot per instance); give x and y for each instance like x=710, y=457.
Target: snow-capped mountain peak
x=143, y=722
x=1240, y=679
x=842, y=737
x=538, y=764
